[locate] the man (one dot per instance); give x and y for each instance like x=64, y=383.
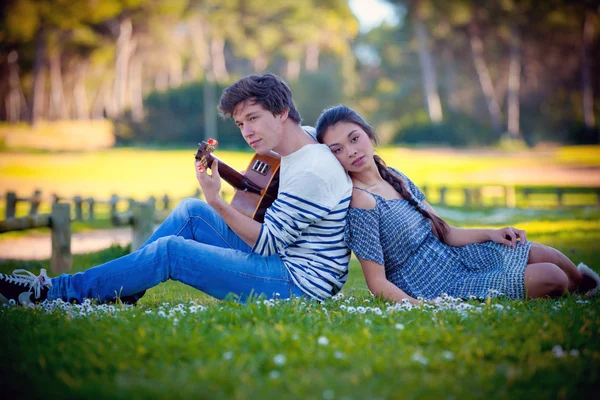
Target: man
x=297, y=251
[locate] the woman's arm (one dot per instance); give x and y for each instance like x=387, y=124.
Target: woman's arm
x=379, y=285
x=463, y=236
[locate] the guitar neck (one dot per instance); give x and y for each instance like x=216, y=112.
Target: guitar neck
x=233, y=177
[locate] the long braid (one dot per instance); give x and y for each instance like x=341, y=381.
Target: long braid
x=439, y=225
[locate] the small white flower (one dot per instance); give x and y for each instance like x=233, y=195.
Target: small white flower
x=323, y=341
x=228, y=355
x=328, y=394
x=574, y=353
x=368, y=322
x=418, y=357
x=361, y=310
x=351, y=310
x=342, y=307
x=448, y=355
x=279, y=360
x=399, y=327
x=339, y=355
x=295, y=336
x=274, y=374
x=558, y=351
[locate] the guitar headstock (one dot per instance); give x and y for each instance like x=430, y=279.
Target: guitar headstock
x=203, y=155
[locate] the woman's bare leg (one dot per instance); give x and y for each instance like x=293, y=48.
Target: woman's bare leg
x=540, y=253
x=545, y=280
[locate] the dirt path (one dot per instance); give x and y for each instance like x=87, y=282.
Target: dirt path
x=38, y=247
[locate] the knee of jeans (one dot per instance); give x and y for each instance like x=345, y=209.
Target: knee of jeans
x=191, y=206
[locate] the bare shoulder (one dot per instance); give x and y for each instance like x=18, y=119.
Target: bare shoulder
x=362, y=199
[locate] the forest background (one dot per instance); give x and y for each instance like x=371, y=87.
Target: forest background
x=150, y=72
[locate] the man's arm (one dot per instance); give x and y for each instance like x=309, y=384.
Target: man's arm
x=243, y=226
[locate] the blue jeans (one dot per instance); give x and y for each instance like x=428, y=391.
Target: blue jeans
x=193, y=245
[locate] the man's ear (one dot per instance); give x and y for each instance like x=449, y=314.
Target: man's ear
x=284, y=114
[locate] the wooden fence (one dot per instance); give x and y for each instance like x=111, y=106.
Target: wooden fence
x=141, y=215
x=59, y=221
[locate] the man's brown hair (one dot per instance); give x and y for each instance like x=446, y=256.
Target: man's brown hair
x=268, y=90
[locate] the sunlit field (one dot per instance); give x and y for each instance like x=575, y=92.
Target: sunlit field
x=141, y=173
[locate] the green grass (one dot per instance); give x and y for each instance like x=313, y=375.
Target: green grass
x=499, y=349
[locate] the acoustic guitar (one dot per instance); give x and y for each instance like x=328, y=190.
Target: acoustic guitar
x=256, y=189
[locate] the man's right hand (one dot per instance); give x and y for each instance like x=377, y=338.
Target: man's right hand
x=210, y=184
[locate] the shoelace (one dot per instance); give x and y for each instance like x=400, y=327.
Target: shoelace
x=24, y=277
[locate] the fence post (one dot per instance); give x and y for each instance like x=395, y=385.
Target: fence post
x=443, y=190
x=559, y=196
x=60, y=222
x=468, y=199
x=510, y=196
x=91, y=203
x=114, y=200
x=36, y=199
x=11, y=204
x=143, y=224
x=78, y=208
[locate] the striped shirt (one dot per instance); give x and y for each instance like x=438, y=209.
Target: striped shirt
x=305, y=225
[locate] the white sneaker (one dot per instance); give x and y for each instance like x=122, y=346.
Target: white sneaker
x=587, y=271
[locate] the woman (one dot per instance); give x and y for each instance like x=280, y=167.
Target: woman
x=407, y=251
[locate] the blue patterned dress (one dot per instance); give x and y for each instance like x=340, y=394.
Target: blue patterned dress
x=397, y=236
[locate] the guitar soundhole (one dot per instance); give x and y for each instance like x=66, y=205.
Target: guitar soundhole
x=261, y=167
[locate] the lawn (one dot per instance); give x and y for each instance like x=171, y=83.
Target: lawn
x=178, y=343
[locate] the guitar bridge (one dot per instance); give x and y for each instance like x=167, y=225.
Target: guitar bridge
x=261, y=167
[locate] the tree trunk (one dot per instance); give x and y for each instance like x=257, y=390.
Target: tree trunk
x=217, y=53
x=514, y=84
x=260, y=63
x=586, y=76
x=450, y=77
x=210, y=108
x=200, y=45
x=135, y=89
x=428, y=76
x=82, y=108
x=161, y=81
x=485, y=80
x=123, y=55
x=39, y=77
x=312, y=57
x=13, y=99
x=175, y=71
x=293, y=70
x=58, y=109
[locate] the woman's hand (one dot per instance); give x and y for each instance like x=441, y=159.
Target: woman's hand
x=210, y=184
x=508, y=236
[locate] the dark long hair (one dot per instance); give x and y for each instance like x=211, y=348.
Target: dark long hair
x=268, y=90
x=337, y=114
